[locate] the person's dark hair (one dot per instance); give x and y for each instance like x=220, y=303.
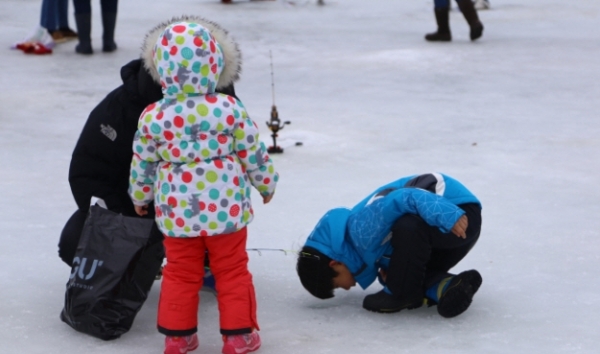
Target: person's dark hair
x=315, y=273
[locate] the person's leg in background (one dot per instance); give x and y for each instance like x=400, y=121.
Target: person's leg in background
x=55, y=19
x=63, y=32
x=39, y=41
x=468, y=10
x=49, y=17
x=442, y=17
x=109, y=21
x=46, y=20
x=83, y=19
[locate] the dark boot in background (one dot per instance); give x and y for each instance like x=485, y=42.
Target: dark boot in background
x=468, y=10
x=443, y=33
x=84, y=30
x=109, y=21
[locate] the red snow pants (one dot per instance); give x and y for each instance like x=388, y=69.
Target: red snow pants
x=183, y=276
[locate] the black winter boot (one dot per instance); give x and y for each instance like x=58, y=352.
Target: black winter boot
x=109, y=21
x=458, y=296
x=468, y=10
x=84, y=30
x=443, y=33
x=385, y=303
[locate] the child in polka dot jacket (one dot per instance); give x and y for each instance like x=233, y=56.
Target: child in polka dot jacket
x=196, y=155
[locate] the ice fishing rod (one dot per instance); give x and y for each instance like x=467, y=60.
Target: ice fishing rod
x=272, y=79
x=274, y=124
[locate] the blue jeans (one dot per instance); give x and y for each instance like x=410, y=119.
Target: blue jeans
x=85, y=6
x=55, y=14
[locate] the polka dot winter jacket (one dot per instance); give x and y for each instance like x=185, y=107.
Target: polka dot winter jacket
x=196, y=152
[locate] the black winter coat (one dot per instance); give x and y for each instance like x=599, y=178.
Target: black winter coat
x=102, y=157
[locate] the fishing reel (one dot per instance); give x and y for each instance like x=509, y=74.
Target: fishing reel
x=275, y=125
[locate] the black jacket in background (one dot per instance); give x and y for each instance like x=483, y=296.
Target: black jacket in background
x=102, y=157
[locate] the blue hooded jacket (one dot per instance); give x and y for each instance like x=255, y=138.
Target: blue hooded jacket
x=360, y=237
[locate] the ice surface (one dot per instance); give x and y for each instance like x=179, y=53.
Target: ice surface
x=514, y=116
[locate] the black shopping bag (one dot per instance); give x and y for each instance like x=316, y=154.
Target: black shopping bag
x=113, y=270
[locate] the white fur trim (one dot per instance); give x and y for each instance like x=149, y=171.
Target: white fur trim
x=231, y=52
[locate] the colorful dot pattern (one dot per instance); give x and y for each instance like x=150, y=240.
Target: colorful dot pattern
x=197, y=154
x=188, y=59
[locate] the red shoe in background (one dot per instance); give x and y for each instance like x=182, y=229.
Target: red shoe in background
x=40, y=49
x=33, y=48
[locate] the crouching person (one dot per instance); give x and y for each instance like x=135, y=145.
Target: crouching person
x=408, y=234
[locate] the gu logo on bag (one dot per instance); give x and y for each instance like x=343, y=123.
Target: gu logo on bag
x=79, y=271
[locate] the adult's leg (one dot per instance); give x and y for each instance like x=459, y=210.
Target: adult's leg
x=49, y=15
x=236, y=296
x=109, y=22
x=62, y=14
x=442, y=17
x=109, y=5
x=83, y=19
x=470, y=13
x=82, y=6
x=69, y=237
x=182, y=280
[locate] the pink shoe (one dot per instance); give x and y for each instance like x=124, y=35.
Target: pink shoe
x=181, y=345
x=241, y=343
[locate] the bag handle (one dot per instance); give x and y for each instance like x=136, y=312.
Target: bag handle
x=98, y=201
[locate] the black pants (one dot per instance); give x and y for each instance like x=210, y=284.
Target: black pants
x=85, y=6
x=69, y=237
x=423, y=254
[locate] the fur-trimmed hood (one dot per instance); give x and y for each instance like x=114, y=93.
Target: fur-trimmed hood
x=230, y=50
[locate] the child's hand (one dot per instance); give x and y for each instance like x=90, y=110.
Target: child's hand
x=460, y=228
x=267, y=198
x=141, y=210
